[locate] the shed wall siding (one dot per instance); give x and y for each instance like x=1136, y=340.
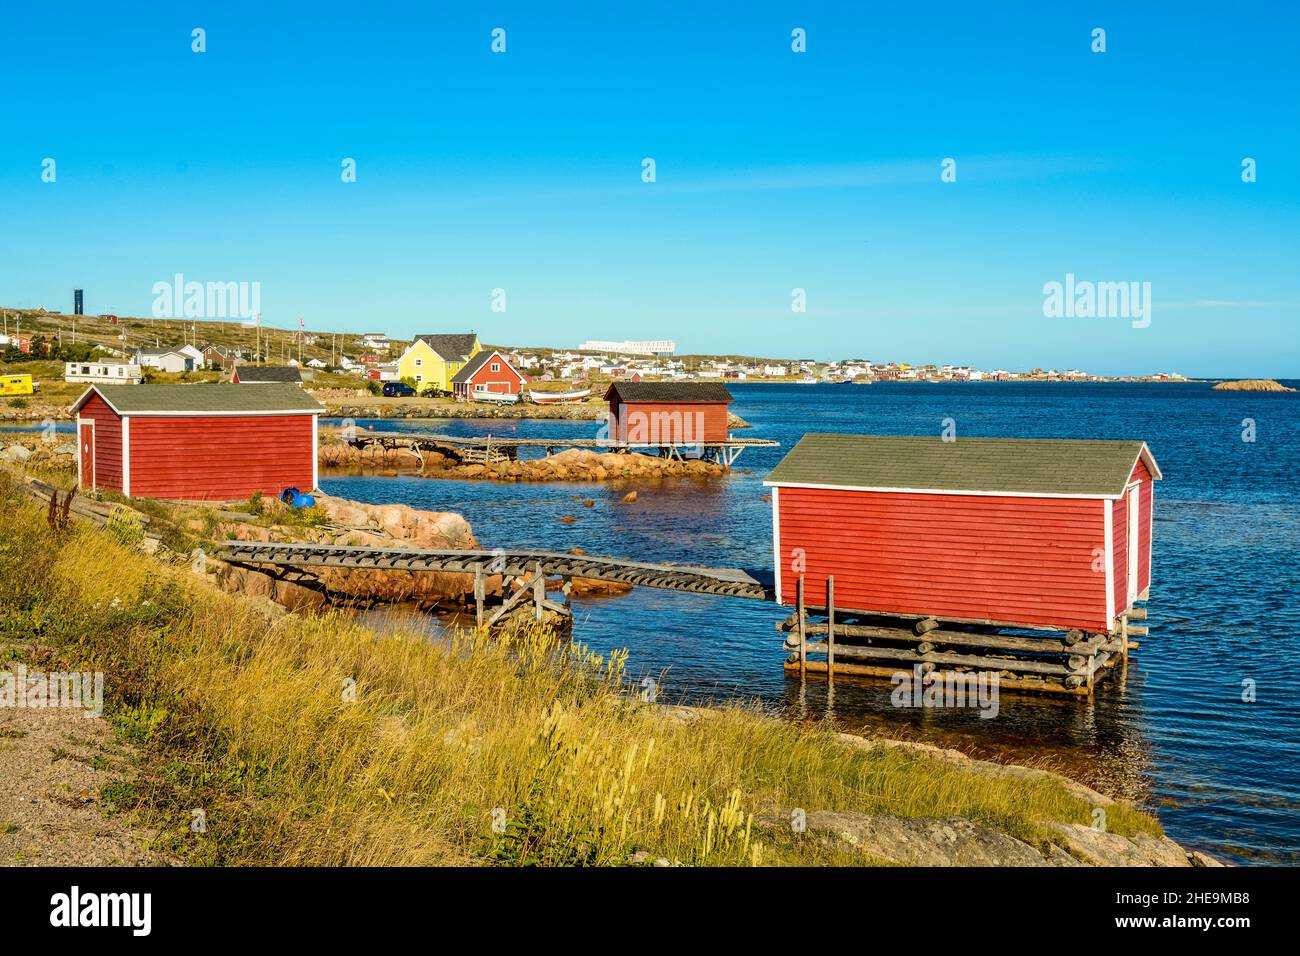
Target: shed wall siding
x=1018, y=560
x=670, y=422
x=220, y=457
x=504, y=382
x=108, y=443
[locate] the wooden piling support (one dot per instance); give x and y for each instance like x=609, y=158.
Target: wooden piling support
x=539, y=593
x=480, y=594
x=830, y=627
x=803, y=636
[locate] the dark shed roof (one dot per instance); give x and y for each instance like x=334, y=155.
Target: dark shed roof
x=202, y=399
x=268, y=373
x=454, y=347
x=708, y=392
x=998, y=466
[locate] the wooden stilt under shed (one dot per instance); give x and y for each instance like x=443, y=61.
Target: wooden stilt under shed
x=824, y=639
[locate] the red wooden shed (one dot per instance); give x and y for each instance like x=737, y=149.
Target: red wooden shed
x=1017, y=532
x=201, y=442
x=486, y=375
x=668, y=413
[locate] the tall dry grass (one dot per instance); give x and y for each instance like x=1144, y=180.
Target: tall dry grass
x=316, y=740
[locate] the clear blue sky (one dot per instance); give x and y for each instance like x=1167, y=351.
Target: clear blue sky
x=522, y=171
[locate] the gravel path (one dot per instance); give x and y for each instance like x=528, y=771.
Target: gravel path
x=54, y=767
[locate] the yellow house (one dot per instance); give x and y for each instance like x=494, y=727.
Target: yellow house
x=432, y=361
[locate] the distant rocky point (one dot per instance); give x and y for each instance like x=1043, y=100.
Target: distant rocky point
x=1252, y=385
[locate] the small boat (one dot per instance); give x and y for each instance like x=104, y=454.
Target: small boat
x=557, y=398
x=496, y=398
x=808, y=381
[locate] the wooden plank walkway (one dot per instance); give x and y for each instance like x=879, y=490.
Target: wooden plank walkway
x=363, y=436
x=516, y=562
x=495, y=448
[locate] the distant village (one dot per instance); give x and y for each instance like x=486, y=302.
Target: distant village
x=457, y=364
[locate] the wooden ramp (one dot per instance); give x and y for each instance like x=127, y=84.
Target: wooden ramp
x=516, y=562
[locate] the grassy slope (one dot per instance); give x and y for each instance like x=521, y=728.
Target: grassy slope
x=249, y=722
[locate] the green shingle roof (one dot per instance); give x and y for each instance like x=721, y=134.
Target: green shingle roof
x=261, y=374
x=204, y=398
x=995, y=465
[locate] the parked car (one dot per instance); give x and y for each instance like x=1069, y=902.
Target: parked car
x=397, y=390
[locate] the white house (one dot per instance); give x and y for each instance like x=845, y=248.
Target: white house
x=112, y=373
x=185, y=358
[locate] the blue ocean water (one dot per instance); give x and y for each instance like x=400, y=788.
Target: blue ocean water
x=1174, y=732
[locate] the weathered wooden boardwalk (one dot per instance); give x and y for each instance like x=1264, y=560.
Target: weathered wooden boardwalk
x=496, y=448
x=516, y=562
x=526, y=567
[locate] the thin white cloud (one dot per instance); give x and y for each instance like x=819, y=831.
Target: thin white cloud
x=1226, y=304
x=675, y=179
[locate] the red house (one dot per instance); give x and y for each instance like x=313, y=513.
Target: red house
x=202, y=442
x=668, y=413
x=1018, y=532
x=488, y=375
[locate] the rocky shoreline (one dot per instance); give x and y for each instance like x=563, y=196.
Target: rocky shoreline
x=573, y=464
x=34, y=411
x=433, y=409
x=34, y=451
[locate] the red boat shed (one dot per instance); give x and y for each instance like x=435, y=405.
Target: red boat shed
x=487, y=374
x=201, y=442
x=1031, y=533
x=668, y=413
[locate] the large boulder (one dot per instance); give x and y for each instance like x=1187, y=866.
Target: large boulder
x=406, y=526
x=366, y=525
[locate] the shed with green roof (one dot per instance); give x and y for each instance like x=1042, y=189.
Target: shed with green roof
x=204, y=442
x=1024, y=532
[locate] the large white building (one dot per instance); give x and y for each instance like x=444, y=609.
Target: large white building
x=109, y=373
x=656, y=347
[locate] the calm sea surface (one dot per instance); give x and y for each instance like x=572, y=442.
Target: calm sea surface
x=1174, y=733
